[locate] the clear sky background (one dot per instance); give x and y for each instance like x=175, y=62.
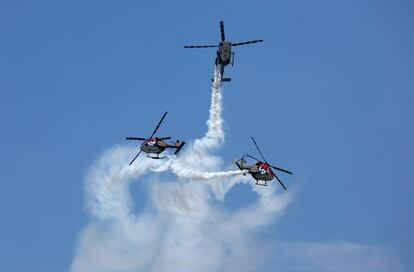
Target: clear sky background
x=328, y=95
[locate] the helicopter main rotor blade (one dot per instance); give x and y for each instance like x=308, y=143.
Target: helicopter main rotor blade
x=281, y=183
x=281, y=169
x=252, y=157
x=199, y=46
x=159, y=123
x=135, y=157
x=258, y=149
x=223, y=37
x=248, y=42
x=135, y=138
x=165, y=138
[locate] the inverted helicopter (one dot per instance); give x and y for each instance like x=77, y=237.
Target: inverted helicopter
x=224, y=54
x=156, y=145
x=261, y=170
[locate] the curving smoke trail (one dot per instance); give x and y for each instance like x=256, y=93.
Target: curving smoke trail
x=179, y=226
x=198, y=156
x=104, y=182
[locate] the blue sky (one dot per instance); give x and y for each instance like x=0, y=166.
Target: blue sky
x=328, y=95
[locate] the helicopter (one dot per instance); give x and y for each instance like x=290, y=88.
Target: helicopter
x=261, y=170
x=156, y=145
x=224, y=54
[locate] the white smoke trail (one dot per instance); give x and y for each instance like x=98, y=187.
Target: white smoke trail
x=215, y=122
x=112, y=170
x=179, y=228
x=106, y=184
x=187, y=165
x=189, y=174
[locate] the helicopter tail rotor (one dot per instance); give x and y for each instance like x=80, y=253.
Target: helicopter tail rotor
x=240, y=163
x=180, y=146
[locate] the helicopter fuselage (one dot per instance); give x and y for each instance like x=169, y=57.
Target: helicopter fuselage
x=223, y=53
x=262, y=176
x=153, y=146
x=261, y=171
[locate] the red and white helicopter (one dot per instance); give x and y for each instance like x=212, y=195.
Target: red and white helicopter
x=261, y=170
x=156, y=145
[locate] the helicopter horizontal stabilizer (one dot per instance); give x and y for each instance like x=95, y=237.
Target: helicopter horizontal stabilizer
x=179, y=148
x=224, y=79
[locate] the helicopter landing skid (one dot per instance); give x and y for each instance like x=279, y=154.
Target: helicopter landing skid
x=156, y=158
